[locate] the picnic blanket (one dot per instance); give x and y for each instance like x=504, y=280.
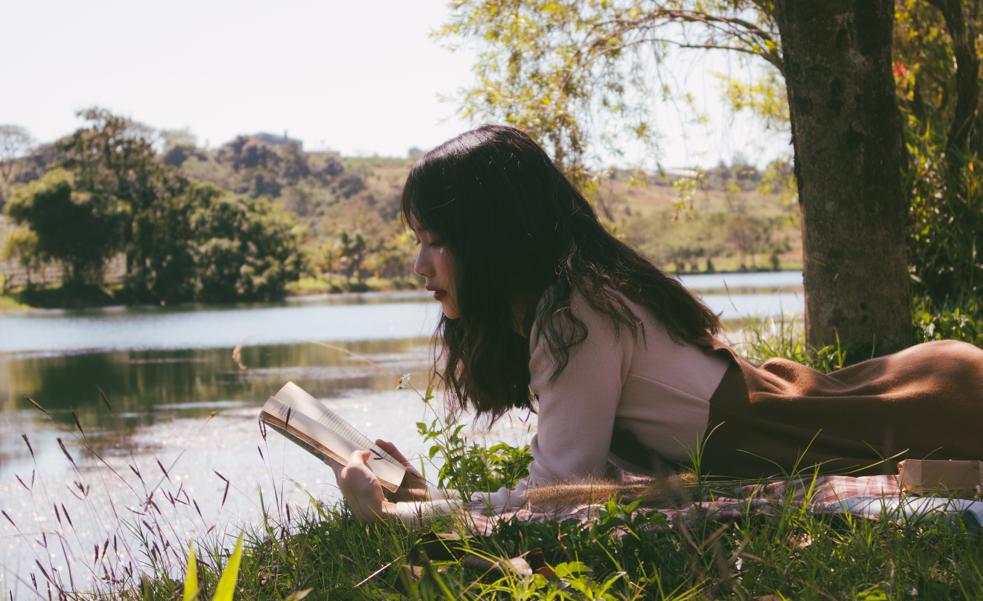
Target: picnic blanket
x=865, y=496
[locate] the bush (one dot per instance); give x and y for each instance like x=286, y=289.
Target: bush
x=947, y=322
x=242, y=250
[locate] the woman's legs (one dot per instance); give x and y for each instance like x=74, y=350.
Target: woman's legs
x=925, y=401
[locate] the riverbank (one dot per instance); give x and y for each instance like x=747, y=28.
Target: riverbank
x=54, y=296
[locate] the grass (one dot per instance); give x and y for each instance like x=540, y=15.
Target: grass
x=333, y=284
x=626, y=552
x=10, y=303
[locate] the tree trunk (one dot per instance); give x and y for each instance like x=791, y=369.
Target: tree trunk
x=962, y=30
x=848, y=149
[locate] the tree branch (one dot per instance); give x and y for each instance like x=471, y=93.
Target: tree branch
x=963, y=35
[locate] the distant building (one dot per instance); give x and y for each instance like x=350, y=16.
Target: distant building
x=276, y=140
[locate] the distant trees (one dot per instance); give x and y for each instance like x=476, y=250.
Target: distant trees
x=240, y=249
x=21, y=247
x=75, y=227
x=15, y=141
x=106, y=192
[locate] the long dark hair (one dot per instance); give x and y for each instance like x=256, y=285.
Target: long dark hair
x=523, y=237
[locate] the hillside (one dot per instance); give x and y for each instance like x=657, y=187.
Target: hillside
x=726, y=218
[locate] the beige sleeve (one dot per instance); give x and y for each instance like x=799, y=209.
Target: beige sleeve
x=576, y=410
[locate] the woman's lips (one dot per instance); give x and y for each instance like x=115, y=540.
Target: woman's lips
x=439, y=295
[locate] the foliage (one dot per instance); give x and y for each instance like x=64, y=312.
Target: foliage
x=627, y=550
x=107, y=192
x=949, y=322
x=783, y=339
x=468, y=467
x=115, y=156
x=707, y=226
x=191, y=576
x=208, y=245
x=230, y=575
x=76, y=227
x=241, y=249
x=21, y=246
x=555, y=68
x=944, y=172
x=14, y=142
x=765, y=97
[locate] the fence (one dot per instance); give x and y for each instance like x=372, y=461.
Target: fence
x=16, y=276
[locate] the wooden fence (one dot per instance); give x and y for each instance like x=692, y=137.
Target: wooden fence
x=16, y=276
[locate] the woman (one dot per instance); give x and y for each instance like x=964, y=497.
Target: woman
x=544, y=309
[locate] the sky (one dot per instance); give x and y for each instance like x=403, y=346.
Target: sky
x=360, y=78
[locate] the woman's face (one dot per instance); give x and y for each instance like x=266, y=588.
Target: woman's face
x=435, y=263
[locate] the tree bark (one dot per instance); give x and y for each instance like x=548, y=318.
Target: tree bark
x=846, y=135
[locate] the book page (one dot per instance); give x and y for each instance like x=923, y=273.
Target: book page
x=306, y=421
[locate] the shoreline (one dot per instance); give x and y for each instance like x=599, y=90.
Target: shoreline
x=308, y=289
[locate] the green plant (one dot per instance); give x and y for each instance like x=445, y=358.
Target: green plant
x=948, y=322
x=225, y=590
x=467, y=466
x=785, y=339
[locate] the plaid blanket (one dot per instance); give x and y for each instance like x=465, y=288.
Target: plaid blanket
x=866, y=496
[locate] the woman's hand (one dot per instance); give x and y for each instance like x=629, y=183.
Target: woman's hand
x=414, y=487
x=361, y=488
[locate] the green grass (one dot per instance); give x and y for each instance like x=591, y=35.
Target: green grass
x=626, y=552
x=10, y=303
x=336, y=284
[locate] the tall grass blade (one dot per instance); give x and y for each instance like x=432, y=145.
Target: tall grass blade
x=191, y=577
x=230, y=575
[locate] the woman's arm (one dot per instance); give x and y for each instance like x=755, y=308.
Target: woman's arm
x=577, y=408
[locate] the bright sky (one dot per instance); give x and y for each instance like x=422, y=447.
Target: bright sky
x=357, y=77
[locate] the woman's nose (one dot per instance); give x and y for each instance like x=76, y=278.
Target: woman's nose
x=422, y=265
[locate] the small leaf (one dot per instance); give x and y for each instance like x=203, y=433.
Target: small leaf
x=298, y=595
x=570, y=568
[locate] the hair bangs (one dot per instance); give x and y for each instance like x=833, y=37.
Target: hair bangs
x=429, y=197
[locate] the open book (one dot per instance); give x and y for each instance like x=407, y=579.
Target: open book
x=306, y=421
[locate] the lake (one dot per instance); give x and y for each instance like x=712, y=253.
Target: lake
x=149, y=402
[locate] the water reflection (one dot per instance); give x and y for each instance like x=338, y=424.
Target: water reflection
x=142, y=388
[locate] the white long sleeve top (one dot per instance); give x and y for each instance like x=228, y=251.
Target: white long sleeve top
x=647, y=386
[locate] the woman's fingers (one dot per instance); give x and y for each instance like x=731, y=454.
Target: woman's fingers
x=390, y=448
x=361, y=488
x=414, y=487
